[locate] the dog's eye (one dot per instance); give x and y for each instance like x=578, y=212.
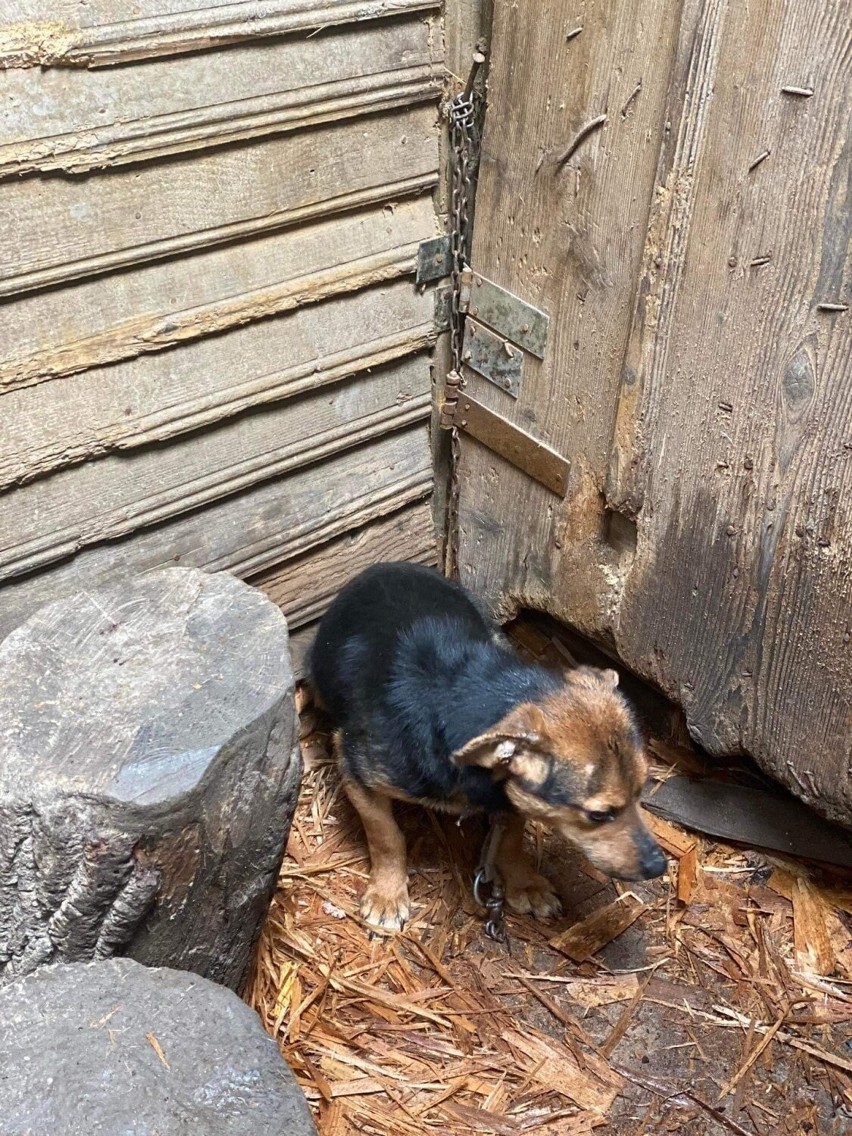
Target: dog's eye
x=601, y=816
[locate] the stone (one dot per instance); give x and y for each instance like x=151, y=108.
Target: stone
x=113, y=1048
x=149, y=768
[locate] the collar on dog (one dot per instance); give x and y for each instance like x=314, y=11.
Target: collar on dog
x=488, y=889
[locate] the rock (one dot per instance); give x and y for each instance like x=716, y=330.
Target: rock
x=149, y=768
x=115, y=1049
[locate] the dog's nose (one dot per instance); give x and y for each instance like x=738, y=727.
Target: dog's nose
x=653, y=862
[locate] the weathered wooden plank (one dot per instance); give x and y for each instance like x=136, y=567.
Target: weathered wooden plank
x=156, y=397
x=78, y=120
x=304, y=586
x=63, y=229
x=694, y=73
x=734, y=454
x=250, y=531
x=39, y=33
x=55, y=516
x=465, y=22
x=157, y=306
x=566, y=237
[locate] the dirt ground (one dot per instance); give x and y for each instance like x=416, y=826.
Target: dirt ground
x=715, y=1000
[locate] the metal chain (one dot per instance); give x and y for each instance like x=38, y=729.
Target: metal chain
x=464, y=112
x=488, y=887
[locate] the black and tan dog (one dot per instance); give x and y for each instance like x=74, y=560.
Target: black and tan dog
x=431, y=705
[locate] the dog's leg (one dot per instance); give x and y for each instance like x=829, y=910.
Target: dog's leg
x=385, y=903
x=526, y=890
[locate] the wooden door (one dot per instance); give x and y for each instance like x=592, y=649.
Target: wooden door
x=672, y=183
x=212, y=349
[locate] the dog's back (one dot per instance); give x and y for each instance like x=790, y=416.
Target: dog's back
x=358, y=641
x=410, y=668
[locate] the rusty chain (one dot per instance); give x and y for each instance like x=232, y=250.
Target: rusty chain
x=488, y=885
x=464, y=128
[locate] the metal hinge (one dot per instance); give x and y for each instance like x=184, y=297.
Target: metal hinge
x=515, y=445
x=434, y=259
x=499, y=328
x=510, y=316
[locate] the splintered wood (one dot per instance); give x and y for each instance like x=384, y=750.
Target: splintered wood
x=582, y=940
x=717, y=999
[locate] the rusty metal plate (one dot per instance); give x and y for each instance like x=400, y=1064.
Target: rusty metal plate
x=434, y=259
x=443, y=308
x=508, y=315
x=496, y=359
x=518, y=447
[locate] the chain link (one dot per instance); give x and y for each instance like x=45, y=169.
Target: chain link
x=464, y=113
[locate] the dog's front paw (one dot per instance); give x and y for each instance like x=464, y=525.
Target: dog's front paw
x=533, y=895
x=386, y=910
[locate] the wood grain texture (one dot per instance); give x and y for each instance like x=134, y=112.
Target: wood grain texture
x=62, y=229
x=39, y=33
x=304, y=586
x=149, y=770
x=465, y=23
x=708, y=536
x=739, y=602
x=212, y=351
x=79, y=120
x=156, y=397
x=566, y=238
x=54, y=516
x=159, y=306
x=251, y=531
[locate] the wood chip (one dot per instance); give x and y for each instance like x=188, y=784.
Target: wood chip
x=480, y=1120
x=752, y=1057
x=812, y=943
x=673, y=839
x=687, y=875
x=588, y=936
x=624, y=1020
x=158, y=1049
x=790, y=1039
x=359, y=1086
x=588, y=993
x=554, y=1067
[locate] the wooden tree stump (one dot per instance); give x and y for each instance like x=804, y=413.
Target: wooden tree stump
x=149, y=768
x=114, y=1049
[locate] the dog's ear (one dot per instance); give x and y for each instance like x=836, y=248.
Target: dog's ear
x=503, y=748
x=494, y=751
x=594, y=677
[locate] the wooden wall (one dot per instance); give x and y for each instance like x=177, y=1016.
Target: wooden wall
x=212, y=350
x=693, y=253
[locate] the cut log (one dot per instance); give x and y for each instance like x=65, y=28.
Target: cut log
x=149, y=768
x=98, y=1049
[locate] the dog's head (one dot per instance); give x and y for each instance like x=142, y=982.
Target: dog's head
x=575, y=761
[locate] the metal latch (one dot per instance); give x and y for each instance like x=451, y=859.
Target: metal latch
x=515, y=445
